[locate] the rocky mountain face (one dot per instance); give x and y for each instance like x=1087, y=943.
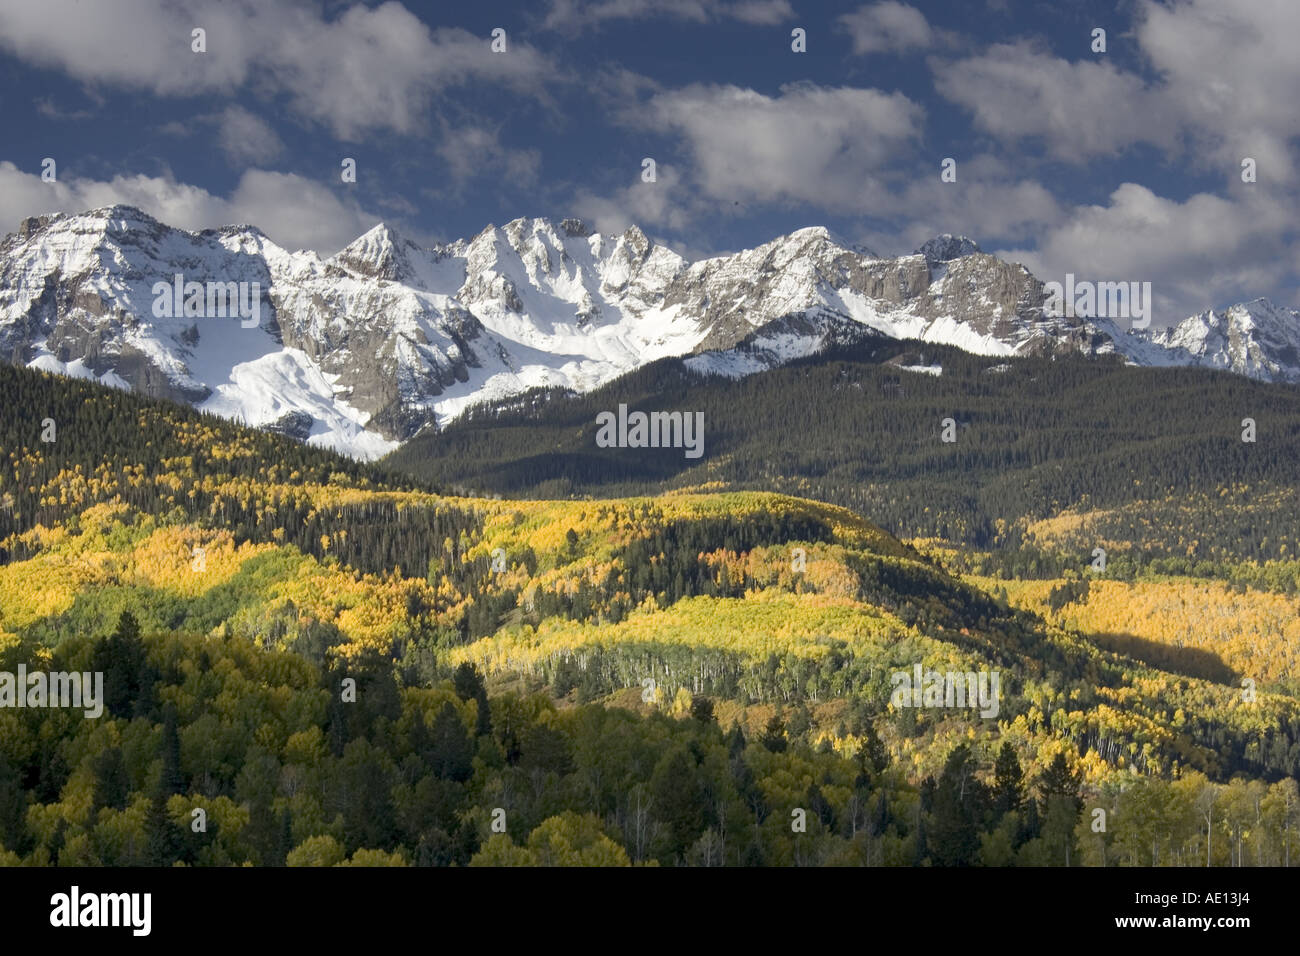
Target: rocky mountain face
x=1257, y=338
x=361, y=350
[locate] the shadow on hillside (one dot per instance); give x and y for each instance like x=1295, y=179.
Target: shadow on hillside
x=585, y=470
x=1187, y=661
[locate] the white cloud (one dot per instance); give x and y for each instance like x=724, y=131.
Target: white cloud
x=1203, y=252
x=1224, y=81
x=1230, y=73
x=988, y=203
x=367, y=69
x=1218, y=83
x=295, y=212
x=472, y=151
x=761, y=12
x=887, y=27
x=245, y=138
x=809, y=144
x=666, y=204
x=1081, y=110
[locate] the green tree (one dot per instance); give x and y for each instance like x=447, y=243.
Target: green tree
x=128, y=679
x=702, y=709
x=166, y=842
x=774, y=735
x=678, y=802
x=873, y=749
x=452, y=751
x=112, y=785
x=468, y=684
x=173, y=781
x=1008, y=781
x=959, y=800
x=321, y=850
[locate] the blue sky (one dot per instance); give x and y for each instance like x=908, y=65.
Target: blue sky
x=1122, y=165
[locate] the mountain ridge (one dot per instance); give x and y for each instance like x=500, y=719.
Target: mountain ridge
x=361, y=350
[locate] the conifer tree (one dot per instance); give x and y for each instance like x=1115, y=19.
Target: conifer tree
x=1008, y=781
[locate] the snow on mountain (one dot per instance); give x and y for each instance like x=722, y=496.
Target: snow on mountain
x=1257, y=339
x=361, y=350
x=947, y=247
x=792, y=337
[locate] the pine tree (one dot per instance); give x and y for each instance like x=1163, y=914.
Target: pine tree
x=735, y=741
x=128, y=681
x=420, y=740
x=1059, y=780
x=452, y=753
x=819, y=807
x=337, y=717
x=957, y=810
x=469, y=686
x=880, y=816
x=678, y=801
x=1008, y=781
x=165, y=841
x=112, y=785
x=774, y=735
x=284, y=837
x=13, y=808
x=702, y=709
x=873, y=749
x=173, y=780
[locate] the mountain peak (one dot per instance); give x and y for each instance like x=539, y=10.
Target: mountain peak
x=118, y=211
x=575, y=228
x=947, y=247
x=117, y=218
x=379, y=253
x=1255, y=338
x=816, y=234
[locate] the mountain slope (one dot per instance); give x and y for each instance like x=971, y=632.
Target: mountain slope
x=862, y=426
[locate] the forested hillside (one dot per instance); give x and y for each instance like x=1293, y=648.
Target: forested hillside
x=339, y=666
x=1152, y=458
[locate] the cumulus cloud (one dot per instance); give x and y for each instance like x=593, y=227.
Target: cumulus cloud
x=990, y=203
x=1223, y=83
x=1217, y=84
x=887, y=27
x=1205, y=251
x=1080, y=110
x=819, y=145
x=367, y=69
x=1230, y=73
x=665, y=204
x=246, y=139
x=296, y=213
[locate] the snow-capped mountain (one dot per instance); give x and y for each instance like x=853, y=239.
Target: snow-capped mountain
x=1256, y=338
x=361, y=350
